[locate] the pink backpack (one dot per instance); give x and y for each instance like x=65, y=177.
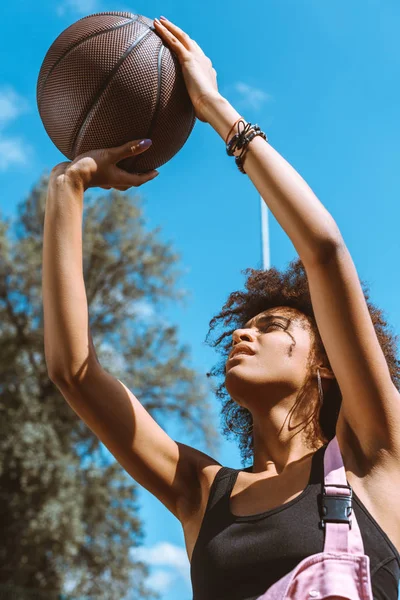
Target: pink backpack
x=341, y=571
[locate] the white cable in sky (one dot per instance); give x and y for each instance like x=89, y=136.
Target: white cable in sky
x=266, y=259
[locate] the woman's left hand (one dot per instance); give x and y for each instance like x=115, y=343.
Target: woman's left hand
x=198, y=72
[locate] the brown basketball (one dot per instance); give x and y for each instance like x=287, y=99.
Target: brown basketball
x=108, y=79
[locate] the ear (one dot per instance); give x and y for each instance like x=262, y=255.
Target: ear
x=325, y=372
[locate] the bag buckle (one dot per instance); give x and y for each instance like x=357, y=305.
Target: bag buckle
x=336, y=508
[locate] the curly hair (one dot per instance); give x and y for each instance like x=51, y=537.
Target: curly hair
x=273, y=288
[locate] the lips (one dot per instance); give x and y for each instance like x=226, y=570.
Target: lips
x=241, y=349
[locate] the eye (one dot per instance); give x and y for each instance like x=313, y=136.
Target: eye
x=275, y=324
x=271, y=325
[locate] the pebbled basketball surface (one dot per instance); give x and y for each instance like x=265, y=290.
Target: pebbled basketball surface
x=108, y=79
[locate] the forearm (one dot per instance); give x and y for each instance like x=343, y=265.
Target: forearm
x=306, y=221
x=66, y=322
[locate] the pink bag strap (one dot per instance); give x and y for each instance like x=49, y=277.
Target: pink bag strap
x=342, y=533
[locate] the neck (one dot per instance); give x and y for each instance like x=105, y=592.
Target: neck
x=279, y=437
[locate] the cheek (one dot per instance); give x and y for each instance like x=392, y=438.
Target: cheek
x=298, y=363
x=276, y=348
x=276, y=361
x=282, y=350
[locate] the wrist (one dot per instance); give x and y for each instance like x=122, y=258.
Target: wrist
x=79, y=174
x=220, y=114
x=58, y=171
x=62, y=177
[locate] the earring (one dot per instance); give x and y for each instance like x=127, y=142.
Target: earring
x=320, y=390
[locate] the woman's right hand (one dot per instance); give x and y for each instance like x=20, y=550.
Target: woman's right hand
x=98, y=168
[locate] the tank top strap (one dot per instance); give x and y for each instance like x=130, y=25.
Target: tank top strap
x=317, y=467
x=222, y=487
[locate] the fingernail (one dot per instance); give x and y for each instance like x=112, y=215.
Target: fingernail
x=156, y=174
x=164, y=18
x=144, y=144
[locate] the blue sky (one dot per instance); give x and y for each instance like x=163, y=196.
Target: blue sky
x=322, y=79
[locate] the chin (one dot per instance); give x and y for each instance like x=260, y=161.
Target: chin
x=241, y=384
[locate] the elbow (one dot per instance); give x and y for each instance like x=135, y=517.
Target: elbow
x=325, y=249
x=64, y=380
x=58, y=376
x=70, y=376
x=53, y=371
x=58, y=372
x=329, y=249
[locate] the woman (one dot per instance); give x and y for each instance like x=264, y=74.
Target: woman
x=297, y=374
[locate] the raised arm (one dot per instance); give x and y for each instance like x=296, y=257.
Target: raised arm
x=371, y=403
x=167, y=469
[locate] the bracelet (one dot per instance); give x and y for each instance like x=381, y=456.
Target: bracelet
x=232, y=128
x=240, y=159
x=239, y=139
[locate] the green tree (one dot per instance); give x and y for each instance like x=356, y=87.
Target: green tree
x=68, y=514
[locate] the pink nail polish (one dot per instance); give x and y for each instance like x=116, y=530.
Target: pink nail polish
x=144, y=143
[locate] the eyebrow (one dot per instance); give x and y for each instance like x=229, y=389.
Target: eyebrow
x=269, y=318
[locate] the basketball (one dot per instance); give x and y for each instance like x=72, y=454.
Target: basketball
x=108, y=79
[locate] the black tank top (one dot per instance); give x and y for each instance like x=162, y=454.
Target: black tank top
x=239, y=558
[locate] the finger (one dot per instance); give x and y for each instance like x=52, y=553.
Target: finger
x=129, y=149
x=177, y=32
x=105, y=187
x=171, y=40
x=122, y=188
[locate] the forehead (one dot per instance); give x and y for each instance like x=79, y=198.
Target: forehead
x=293, y=317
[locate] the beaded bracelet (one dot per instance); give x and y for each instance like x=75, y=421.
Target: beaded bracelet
x=239, y=159
x=237, y=141
x=241, y=141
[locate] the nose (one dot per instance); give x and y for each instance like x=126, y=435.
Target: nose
x=243, y=335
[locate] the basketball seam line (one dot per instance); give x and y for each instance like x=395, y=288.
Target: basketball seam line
x=159, y=84
x=116, y=13
x=104, y=87
x=77, y=44
x=125, y=15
